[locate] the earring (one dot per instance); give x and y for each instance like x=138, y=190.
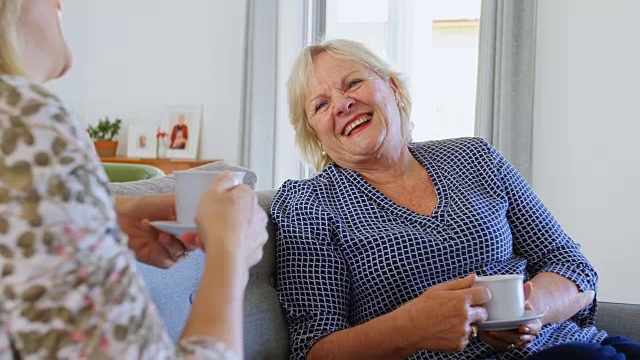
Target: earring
x=401, y=105
x=323, y=153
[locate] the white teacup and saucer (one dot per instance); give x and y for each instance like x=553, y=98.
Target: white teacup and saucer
x=506, y=307
x=190, y=184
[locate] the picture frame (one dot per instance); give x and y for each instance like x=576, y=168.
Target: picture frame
x=182, y=125
x=142, y=141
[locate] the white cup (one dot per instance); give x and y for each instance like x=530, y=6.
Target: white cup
x=190, y=184
x=507, y=296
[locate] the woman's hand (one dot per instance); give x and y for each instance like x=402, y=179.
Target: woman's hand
x=521, y=337
x=231, y=223
x=150, y=245
x=232, y=228
x=443, y=316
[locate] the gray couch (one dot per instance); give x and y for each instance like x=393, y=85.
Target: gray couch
x=264, y=326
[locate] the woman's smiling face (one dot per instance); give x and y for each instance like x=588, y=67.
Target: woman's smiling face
x=352, y=111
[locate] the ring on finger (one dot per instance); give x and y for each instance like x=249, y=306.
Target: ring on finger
x=474, y=332
x=511, y=347
x=182, y=256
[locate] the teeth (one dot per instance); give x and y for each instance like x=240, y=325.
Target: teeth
x=360, y=120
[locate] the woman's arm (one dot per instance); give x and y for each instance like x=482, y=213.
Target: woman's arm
x=562, y=277
x=218, y=304
x=438, y=320
x=558, y=297
x=232, y=226
x=150, y=245
x=563, y=282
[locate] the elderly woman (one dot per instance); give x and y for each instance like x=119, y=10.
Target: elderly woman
x=69, y=284
x=375, y=252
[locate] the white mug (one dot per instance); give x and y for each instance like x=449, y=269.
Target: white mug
x=507, y=296
x=190, y=184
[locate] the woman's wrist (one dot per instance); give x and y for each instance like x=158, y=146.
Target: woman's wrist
x=227, y=266
x=118, y=203
x=122, y=203
x=404, y=334
x=223, y=243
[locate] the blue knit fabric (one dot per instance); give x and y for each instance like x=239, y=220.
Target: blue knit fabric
x=347, y=254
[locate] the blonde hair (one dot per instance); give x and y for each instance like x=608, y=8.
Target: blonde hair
x=9, y=17
x=302, y=72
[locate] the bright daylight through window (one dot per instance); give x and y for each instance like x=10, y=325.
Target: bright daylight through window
x=434, y=42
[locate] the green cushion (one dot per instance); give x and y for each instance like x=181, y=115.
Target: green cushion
x=118, y=172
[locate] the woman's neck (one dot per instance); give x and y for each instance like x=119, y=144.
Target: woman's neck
x=390, y=168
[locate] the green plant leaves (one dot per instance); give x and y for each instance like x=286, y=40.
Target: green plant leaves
x=105, y=130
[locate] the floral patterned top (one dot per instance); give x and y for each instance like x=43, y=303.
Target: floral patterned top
x=68, y=285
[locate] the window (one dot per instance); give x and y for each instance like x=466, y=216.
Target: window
x=434, y=42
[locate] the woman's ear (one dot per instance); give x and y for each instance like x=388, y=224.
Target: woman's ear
x=394, y=86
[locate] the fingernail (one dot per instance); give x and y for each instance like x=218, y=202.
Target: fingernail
x=526, y=329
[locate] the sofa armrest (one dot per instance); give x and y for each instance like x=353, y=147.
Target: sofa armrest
x=619, y=319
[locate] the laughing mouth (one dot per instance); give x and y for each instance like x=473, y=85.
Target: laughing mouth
x=354, y=124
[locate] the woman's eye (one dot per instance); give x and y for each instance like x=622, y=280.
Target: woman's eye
x=320, y=105
x=353, y=83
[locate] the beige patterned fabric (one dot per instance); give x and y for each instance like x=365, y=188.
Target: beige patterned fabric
x=68, y=286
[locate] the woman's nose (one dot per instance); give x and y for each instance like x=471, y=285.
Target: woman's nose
x=343, y=105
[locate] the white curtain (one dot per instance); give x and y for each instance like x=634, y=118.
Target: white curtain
x=506, y=66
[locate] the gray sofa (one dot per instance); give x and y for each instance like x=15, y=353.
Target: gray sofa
x=264, y=325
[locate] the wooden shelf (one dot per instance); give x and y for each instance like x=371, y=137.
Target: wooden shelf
x=166, y=165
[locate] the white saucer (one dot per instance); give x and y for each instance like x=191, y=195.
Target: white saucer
x=173, y=227
x=497, y=325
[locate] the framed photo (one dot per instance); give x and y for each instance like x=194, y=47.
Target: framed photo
x=182, y=125
x=141, y=141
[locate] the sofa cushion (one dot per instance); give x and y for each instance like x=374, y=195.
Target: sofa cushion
x=619, y=319
x=265, y=329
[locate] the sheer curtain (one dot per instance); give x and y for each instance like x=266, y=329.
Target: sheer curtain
x=276, y=31
x=257, y=147
x=506, y=66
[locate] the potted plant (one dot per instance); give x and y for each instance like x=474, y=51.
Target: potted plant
x=103, y=136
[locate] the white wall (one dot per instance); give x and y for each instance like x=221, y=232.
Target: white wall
x=135, y=57
x=586, y=160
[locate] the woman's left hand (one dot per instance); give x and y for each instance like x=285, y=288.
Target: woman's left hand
x=521, y=337
x=150, y=245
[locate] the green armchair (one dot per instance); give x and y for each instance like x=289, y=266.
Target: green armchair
x=118, y=172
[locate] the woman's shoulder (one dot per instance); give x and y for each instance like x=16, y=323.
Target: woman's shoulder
x=29, y=112
x=292, y=189
x=467, y=150
x=17, y=91
x=452, y=144
x=306, y=191
x=24, y=102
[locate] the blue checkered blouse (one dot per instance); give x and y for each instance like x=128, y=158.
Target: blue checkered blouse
x=347, y=254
